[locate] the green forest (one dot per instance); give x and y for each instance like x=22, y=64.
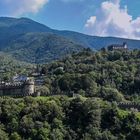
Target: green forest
x=109, y=75
x=63, y=118
x=79, y=99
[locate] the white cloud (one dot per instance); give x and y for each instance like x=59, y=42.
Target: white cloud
x=112, y=20
x=20, y=7
x=91, y=21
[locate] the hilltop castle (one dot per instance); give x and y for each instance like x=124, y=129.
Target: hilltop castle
x=19, y=89
x=118, y=47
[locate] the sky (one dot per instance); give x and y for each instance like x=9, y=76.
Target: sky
x=119, y=18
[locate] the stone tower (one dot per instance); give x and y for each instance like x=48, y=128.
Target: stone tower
x=29, y=87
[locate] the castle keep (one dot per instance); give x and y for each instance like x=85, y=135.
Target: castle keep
x=19, y=89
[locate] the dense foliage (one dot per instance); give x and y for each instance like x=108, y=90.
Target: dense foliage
x=9, y=67
x=63, y=118
x=113, y=76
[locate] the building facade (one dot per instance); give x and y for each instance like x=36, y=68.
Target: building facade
x=118, y=47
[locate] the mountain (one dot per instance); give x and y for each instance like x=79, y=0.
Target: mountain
x=33, y=42
x=10, y=28
x=41, y=47
x=96, y=42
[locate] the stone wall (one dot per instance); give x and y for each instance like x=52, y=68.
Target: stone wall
x=129, y=105
x=17, y=89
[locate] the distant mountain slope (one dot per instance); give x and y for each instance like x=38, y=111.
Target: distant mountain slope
x=31, y=41
x=10, y=28
x=13, y=27
x=40, y=47
x=96, y=42
x=22, y=25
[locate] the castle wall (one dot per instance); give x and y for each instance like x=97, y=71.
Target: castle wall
x=21, y=89
x=29, y=88
x=129, y=105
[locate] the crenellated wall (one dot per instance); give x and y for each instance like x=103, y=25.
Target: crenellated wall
x=129, y=105
x=17, y=89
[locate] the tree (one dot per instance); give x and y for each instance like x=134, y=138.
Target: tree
x=15, y=136
x=3, y=134
x=111, y=94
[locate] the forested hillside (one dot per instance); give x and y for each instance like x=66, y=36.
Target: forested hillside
x=10, y=67
x=41, y=47
x=29, y=41
x=112, y=76
x=63, y=118
x=79, y=100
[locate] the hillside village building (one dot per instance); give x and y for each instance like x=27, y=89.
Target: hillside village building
x=118, y=47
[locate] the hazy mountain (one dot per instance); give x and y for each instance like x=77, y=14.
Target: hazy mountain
x=33, y=42
x=10, y=28
x=96, y=42
x=40, y=47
